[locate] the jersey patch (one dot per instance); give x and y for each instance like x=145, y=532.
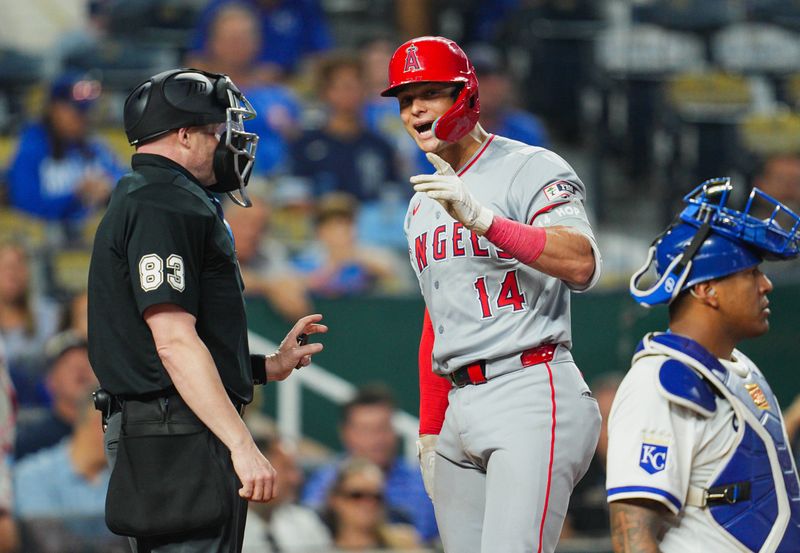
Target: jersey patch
x=758, y=396
x=653, y=458
x=558, y=189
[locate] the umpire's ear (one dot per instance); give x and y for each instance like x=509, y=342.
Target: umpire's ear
x=183, y=136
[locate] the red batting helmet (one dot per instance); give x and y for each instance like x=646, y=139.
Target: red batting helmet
x=440, y=60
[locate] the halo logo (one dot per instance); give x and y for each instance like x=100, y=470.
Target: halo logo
x=412, y=61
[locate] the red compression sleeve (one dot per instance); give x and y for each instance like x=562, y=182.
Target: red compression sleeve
x=524, y=242
x=433, y=389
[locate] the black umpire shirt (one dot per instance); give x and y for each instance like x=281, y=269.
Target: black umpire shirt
x=163, y=241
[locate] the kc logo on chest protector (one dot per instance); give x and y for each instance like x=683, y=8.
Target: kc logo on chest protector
x=653, y=458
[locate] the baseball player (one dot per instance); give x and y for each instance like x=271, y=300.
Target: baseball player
x=497, y=237
x=698, y=459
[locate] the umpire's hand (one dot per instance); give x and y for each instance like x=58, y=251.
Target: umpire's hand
x=255, y=473
x=293, y=354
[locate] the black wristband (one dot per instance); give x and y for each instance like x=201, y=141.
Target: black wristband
x=258, y=366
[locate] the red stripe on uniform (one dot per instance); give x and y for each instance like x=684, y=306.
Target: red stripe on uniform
x=545, y=209
x=552, y=449
x=471, y=163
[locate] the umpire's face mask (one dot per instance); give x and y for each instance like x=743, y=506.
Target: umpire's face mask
x=236, y=151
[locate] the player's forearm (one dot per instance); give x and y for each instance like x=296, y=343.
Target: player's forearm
x=567, y=256
x=634, y=528
x=558, y=251
x=195, y=376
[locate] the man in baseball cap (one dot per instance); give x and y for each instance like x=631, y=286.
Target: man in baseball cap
x=69, y=380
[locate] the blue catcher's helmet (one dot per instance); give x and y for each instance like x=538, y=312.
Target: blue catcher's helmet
x=710, y=240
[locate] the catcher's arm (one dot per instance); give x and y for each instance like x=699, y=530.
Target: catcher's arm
x=637, y=525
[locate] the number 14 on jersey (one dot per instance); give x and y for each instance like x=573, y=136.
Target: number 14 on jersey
x=509, y=294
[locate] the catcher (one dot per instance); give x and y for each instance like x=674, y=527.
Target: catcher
x=697, y=453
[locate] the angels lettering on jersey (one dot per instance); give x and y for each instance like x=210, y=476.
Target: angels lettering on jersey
x=452, y=240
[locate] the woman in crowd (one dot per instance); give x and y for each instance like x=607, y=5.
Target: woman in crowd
x=27, y=320
x=356, y=514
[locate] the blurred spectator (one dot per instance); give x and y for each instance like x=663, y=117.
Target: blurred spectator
x=498, y=99
x=290, y=30
x=366, y=431
x=233, y=45
x=264, y=261
x=381, y=222
x=337, y=264
x=68, y=382
x=283, y=526
x=382, y=114
x=27, y=319
x=77, y=314
x=780, y=178
x=587, y=515
x=83, y=40
x=414, y=18
x=344, y=155
x=68, y=479
x=292, y=205
x=60, y=173
x=481, y=20
x=355, y=511
x=9, y=535
x=234, y=41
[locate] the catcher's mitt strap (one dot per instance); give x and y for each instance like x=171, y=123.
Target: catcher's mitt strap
x=681, y=385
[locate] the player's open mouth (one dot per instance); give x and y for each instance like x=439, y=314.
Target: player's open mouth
x=424, y=127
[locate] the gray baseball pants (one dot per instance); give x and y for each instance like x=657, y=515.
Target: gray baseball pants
x=508, y=456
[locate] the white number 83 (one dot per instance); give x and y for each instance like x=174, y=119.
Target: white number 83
x=151, y=272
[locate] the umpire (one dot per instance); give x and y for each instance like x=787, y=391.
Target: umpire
x=167, y=327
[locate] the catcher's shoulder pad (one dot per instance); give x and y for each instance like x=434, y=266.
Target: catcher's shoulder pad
x=683, y=386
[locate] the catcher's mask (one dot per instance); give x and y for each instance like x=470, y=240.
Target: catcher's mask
x=710, y=240
x=439, y=60
x=189, y=97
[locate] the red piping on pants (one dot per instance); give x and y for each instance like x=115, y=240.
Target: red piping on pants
x=552, y=449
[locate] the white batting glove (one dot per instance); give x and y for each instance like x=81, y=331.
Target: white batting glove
x=426, y=453
x=448, y=189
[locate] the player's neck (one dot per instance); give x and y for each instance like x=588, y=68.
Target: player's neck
x=708, y=334
x=459, y=153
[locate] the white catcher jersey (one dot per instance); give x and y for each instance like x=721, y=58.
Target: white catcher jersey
x=480, y=299
x=657, y=449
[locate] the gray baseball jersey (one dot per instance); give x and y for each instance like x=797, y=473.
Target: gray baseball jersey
x=512, y=449
x=480, y=299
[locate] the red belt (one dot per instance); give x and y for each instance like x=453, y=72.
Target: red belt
x=475, y=373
